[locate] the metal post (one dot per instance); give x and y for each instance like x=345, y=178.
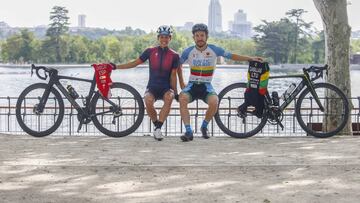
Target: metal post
x=9, y=113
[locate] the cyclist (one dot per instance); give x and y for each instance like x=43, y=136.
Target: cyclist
x=163, y=64
x=202, y=61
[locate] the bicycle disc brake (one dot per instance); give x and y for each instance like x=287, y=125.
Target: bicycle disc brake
x=117, y=112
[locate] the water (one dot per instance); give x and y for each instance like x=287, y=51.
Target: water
x=14, y=80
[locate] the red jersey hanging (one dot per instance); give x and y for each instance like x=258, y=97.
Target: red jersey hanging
x=103, y=79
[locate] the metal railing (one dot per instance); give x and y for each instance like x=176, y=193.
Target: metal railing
x=172, y=127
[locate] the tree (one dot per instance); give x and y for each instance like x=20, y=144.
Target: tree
x=26, y=51
x=143, y=42
x=337, y=47
x=300, y=28
x=179, y=42
x=57, y=29
x=355, y=46
x=19, y=47
x=318, y=48
x=78, y=50
x=273, y=40
x=285, y=41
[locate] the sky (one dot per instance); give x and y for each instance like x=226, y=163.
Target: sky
x=149, y=14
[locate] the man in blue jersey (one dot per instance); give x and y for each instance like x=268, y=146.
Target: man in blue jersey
x=202, y=61
x=163, y=64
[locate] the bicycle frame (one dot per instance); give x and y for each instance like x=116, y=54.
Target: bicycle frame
x=306, y=81
x=55, y=80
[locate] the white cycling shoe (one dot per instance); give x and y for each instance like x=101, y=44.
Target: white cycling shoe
x=158, y=134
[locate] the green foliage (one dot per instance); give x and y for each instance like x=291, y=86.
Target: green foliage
x=236, y=46
x=77, y=50
x=288, y=40
x=300, y=30
x=318, y=48
x=143, y=42
x=19, y=47
x=179, y=42
x=274, y=40
x=59, y=22
x=57, y=29
x=355, y=46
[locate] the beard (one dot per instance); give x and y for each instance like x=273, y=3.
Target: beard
x=200, y=43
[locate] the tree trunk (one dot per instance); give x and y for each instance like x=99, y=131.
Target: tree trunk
x=337, y=48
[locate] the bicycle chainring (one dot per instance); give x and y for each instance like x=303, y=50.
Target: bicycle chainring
x=275, y=115
x=85, y=120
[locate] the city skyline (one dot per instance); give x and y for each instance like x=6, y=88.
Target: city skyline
x=240, y=27
x=148, y=15
x=215, y=17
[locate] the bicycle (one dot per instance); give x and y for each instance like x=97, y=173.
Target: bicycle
x=40, y=107
x=318, y=106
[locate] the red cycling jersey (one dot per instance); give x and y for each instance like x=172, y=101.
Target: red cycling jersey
x=103, y=79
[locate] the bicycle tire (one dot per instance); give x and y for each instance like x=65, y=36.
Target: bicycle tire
x=138, y=99
x=224, y=127
x=308, y=128
x=20, y=116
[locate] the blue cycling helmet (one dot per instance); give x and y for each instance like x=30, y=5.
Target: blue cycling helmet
x=200, y=27
x=164, y=30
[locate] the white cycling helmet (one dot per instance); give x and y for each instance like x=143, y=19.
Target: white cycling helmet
x=164, y=30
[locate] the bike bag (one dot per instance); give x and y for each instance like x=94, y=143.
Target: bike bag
x=258, y=76
x=103, y=79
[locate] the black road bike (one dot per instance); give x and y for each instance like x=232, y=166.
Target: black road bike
x=322, y=109
x=40, y=107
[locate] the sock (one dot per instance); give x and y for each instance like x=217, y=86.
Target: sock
x=157, y=124
x=204, y=124
x=188, y=128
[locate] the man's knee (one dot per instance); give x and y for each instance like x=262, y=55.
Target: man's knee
x=149, y=99
x=213, y=101
x=183, y=98
x=168, y=97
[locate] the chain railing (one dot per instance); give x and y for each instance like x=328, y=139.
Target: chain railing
x=172, y=127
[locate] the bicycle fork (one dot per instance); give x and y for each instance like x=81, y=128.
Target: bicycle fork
x=39, y=108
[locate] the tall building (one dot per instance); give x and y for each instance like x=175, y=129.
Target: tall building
x=81, y=21
x=186, y=27
x=240, y=27
x=215, y=19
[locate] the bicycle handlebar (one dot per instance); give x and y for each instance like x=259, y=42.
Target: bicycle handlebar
x=318, y=70
x=45, y=69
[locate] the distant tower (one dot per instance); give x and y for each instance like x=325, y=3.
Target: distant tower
x=240, y=27
x=215, y=19
x=81, y=21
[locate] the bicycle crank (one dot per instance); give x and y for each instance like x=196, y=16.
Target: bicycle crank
x=275, y=116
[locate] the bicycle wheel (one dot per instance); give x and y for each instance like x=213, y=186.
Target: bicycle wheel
x=227, y=116
x=132, y=107
x=39, y=124
x=318, y=123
